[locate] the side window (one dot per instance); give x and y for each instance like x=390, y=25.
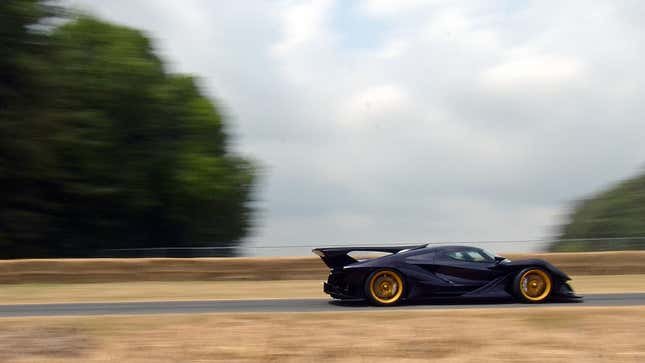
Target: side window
x=475, y=256
x=458, y=255
x=468, y=255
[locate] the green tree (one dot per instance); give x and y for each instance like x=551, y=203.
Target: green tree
x=138, y=155
x=612, y=220
x=27, y=165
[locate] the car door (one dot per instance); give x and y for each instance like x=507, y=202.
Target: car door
x=466, y=269
x=423, y=273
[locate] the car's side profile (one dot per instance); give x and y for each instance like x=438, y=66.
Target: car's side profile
x=421, y=272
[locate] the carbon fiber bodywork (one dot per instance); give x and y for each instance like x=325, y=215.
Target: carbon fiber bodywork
x=433, y=272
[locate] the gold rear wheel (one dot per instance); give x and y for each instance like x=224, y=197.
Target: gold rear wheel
x=534, y=285
x=385, y=287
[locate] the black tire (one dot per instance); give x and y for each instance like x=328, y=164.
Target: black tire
x=533, y=285
x=385, y=287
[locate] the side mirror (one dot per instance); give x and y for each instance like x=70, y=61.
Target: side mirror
x=499, y=259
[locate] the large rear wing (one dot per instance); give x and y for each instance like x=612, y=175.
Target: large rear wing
x=336, y=257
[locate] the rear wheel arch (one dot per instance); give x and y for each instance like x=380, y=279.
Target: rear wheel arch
x=369, y=272
x=368, y=281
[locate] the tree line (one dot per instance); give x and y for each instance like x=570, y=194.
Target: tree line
x=613, y=219
x=101, y=147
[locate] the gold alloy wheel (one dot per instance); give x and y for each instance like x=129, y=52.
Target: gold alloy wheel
x=535, y=285
x=386, y=287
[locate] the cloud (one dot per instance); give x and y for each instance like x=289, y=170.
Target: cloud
x=392, y=7
x=374, y=104
x=393, y=49
x=303, y=22
x=537, y=70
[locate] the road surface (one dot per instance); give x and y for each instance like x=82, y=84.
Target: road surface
x=279, y=305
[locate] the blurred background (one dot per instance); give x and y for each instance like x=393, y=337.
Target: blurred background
x=193, y=128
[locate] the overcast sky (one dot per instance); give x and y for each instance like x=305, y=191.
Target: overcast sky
x=407, y=120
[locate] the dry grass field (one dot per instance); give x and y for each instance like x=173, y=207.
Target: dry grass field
x=219, y=290
x=549, y=334
x=608, y=284
x=161, y=291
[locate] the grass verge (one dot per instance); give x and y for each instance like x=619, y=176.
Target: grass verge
x=556, y=334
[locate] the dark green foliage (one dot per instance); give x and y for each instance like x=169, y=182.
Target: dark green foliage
x=612, y=220
x=103, y=149
x=27, y=167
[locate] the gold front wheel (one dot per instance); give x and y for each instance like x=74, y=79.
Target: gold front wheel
x=385, y=287
x=533, y=285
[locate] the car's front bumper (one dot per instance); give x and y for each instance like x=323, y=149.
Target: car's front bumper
x=565, y=292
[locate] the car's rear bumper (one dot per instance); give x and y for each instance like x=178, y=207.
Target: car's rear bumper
x=336, y=292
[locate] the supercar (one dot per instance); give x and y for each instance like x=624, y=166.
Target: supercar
x=422, y=272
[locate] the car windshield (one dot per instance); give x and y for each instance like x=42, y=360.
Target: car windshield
x=490, y=255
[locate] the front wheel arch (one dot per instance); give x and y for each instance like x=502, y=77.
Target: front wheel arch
x=533, y=284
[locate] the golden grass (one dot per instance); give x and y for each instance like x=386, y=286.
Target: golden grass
x=154, y=290
x=556, y=334
x=609, y=284
x=217, y=290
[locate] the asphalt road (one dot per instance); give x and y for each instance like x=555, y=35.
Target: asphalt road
x=287, y=305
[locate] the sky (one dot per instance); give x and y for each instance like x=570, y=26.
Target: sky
x=390, y=121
